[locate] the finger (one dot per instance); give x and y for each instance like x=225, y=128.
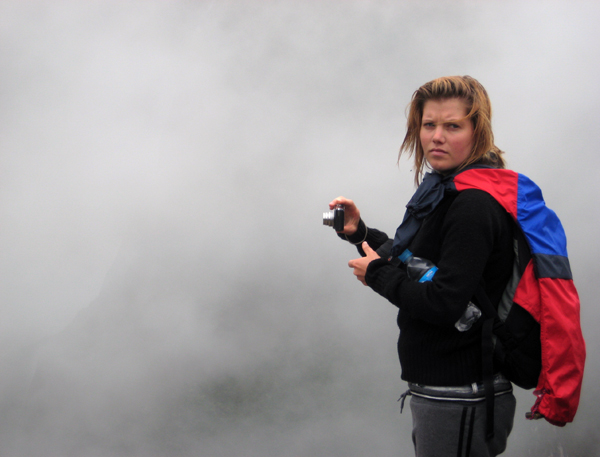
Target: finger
x=337, y=201
x=366, y=248
x=341, y=201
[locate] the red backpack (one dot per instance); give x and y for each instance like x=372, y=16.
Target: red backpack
x=544, y=288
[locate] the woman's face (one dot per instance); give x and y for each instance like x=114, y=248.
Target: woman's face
x=446, y=137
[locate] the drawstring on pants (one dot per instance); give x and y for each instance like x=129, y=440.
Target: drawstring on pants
x=402, y=398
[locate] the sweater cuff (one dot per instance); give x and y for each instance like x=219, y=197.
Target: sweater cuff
x=375, y=277
x=357, y=237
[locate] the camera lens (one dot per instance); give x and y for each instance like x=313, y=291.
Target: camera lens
x=328, y=218
x=335, y=218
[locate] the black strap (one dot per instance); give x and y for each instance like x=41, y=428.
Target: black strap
x=461, y=434
x=470, y=437
x=485, y=304
x=487, y=354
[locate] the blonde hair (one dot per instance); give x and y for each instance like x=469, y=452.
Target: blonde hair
x=479, y=110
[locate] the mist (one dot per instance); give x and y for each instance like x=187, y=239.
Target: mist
x=167, y=286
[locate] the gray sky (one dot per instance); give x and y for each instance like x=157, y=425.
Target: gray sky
x=165, y=166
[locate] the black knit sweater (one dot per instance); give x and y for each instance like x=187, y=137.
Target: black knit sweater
x=469, y=236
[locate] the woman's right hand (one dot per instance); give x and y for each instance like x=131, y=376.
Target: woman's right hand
x=351, y=214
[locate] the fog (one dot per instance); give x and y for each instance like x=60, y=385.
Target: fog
x=167, y=287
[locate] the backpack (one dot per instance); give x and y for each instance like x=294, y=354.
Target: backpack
x=538, y=340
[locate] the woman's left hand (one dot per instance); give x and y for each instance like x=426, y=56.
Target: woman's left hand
x=360, y=265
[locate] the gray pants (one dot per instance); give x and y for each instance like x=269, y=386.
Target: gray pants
x=457, y=428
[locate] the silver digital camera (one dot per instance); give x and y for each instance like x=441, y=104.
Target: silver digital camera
x=335, y=218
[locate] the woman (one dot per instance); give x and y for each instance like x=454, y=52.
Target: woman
x=468, y=236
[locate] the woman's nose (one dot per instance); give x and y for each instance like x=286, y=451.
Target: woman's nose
x=438, y=136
